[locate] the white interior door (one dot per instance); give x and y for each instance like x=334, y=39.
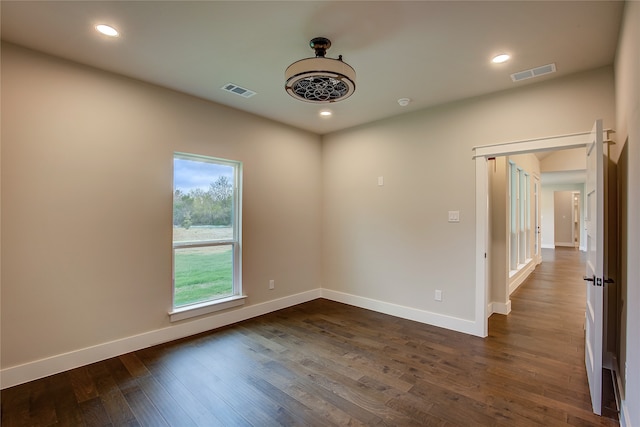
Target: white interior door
x=595, y=264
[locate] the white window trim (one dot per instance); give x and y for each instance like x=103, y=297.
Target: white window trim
x=237, y=299
x=194, y=310
x=519, y=219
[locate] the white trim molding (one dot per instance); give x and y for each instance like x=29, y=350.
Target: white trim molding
x=520, y=276
x=482, y=237
x=30, y=371
x=499, y=308
x=480, y=154
x=207, y=307
x=560, y=142
x=37, y=369
x=423, y=316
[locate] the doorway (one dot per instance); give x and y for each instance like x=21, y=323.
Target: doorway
x=566, y=219
x=573, y=213
x=482, y=156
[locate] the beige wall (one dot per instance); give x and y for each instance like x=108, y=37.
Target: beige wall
x=563, y=218
x=627, y=70
x=393, y=243
x=565, y=160
x=529, y=162
x=547, y=205
x=78, y=144
x=86, y=202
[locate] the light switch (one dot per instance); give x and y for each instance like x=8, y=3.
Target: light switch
x=381, y=181
x=454, y=216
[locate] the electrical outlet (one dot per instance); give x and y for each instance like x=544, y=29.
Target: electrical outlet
x=272, y=284
x=438, y=296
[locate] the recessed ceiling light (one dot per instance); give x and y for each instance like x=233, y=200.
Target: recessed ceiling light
x=326, y=113
x=499, y=59
x=107, y=30
x=404, y=102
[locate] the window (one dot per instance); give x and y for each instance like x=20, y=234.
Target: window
x=520, y=217
x=206, y=235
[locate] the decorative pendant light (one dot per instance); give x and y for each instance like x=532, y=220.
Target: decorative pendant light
x=320, y=80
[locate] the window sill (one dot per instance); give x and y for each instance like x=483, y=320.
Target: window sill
x=519, y=268
x=195, y=310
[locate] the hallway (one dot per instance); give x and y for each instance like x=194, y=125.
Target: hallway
x=544, y=333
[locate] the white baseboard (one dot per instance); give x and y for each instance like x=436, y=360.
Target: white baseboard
x=499, y=308
x=30, y=371
x=519, y=278
x=566, y=244
x=443, y=321
x=20, y=374
x=547, y=246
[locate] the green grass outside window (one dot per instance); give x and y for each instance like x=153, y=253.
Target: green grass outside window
x=202, y=275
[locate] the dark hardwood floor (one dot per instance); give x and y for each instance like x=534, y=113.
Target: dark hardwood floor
x=324, y=363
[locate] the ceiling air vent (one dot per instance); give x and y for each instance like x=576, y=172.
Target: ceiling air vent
x=534, y=72
x=245, y=93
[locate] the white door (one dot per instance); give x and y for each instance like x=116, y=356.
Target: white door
x=595, y=264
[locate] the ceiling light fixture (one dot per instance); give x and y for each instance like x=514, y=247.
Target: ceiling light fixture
x=499, y=59
x=107, y=30
x=320, y=80
x=326, y=113
x=404, y=102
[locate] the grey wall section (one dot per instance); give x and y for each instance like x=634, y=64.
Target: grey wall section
x=627, y=70
x=87, y=196
x=393, y=243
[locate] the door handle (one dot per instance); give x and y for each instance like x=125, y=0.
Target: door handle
x=589, y=279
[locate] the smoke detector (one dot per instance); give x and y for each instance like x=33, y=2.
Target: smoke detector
x=320, y=80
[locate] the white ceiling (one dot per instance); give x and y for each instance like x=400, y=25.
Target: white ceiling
x=432, y=52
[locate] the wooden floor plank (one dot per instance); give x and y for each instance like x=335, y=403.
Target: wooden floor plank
x=111, y=396
x=324, y=363
x=94, y=414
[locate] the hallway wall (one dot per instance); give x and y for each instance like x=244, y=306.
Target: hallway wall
x=627, y=70
x=562, y=218
x=548, y=212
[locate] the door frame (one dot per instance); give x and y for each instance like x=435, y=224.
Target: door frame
x=481, y=156
x=537, y=185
